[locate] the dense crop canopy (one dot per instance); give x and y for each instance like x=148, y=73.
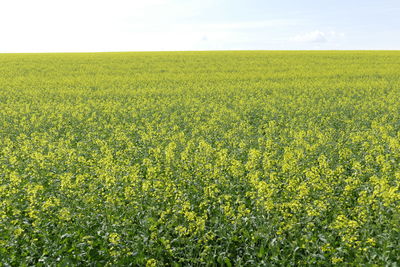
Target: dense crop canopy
x=235, y=158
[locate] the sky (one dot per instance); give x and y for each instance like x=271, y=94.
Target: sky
x=170, y=25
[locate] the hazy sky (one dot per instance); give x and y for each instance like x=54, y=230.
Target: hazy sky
x=130, y=25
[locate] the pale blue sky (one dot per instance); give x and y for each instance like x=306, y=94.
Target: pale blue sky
x=159, y=25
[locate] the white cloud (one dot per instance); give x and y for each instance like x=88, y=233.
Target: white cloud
x=317, y=37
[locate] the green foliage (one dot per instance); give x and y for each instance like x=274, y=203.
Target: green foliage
x=200, y=158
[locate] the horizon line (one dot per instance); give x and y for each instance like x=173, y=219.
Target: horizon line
x=216, y=50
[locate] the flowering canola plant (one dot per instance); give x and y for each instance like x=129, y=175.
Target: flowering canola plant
x=200, y=158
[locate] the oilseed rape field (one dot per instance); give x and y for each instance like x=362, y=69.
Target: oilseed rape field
x=200, y=158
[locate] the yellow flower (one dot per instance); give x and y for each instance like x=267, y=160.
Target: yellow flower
x=371, y=241
x=336, y=260
x=64, y=214
x=151, y=263
x=18, y=232
x=114, y=238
